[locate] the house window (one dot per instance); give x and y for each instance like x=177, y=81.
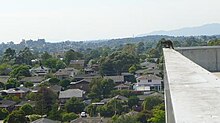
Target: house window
x=149, y=80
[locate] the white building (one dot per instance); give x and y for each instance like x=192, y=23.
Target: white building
x=152, y=81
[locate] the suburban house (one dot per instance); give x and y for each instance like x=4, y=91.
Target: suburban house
x=82, y=84
x=149, y=80
x=55, y=88
x=34, y=79
x=148, y=65
x=102, y=102
x=78, y=64
x=128, y=77
x=147, y=71
x=122, y=98
x=117, y=79
x=91, y=120
x=89, y=71
x=122, y=87
x=7, y=104
x=87, y=77
x=67, y=94
x=95, y=67
x=39, y=71
x=66, y=73
x=19, y=92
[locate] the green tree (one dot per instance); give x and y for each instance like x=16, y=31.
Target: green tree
x=111, y=108
x=4, y=69
x=34, y=117
x=132, y=69
x=60, y=65
x=31, y=96
x=13, y=98
x=9, y=55
x=54, y=81
x=144, y=116
x=51, y=63
x=54, y=63
x=65, y=83
x=55, y=113
x=67, y=117
x=117, y=62
x=3, y=113
x=20, y=70
x=140, y=47
x=27, y=109
x=151, y=101
x=24, y=57
x=12, y=83
x=158, y=114
x=28, y=84
x=45, y=100
x=101, y=87
x=107, y=86
x=91, y=110
x=74, y=105
x=72, y=55
x=153, y=53
x=17, y=116
x=45, y=56
x=132, y=101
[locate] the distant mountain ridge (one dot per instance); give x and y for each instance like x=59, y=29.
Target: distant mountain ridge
x=208, y=30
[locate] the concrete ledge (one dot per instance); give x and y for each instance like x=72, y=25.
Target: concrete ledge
x=206, y=56
x=192, y=93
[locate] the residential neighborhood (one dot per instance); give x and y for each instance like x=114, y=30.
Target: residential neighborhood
x=71, y=88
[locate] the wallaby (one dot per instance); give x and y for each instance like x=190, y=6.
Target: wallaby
x=167, y=44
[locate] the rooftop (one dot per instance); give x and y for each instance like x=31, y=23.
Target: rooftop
x=45, y=120
x=197, y=47
x=34, y=79
x=4, y=79
x=6, y=103
x=149, y=76
x=71, y=93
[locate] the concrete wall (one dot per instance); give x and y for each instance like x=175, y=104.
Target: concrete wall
x=191, y=92
x=206, y=56
x=168, y=102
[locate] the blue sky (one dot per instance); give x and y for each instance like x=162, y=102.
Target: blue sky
x=58, y=20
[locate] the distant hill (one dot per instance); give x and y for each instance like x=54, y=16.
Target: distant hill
x=208, y=30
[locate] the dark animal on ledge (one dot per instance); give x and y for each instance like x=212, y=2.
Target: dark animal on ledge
x=167, y=44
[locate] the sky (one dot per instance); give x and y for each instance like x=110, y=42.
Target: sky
x=76, y=20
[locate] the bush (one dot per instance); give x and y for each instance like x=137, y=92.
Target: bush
x=67, y=117
x=3, y=113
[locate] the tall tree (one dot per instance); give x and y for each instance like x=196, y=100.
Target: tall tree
x=17, y=116
x=117, y=62
x=74, y=105
x=9, y=54
x=45, y=100
x=20, y=70
x=24, y=56
x=151, y=101
x=72, y=55
x=45, y=56
x=140, y=47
